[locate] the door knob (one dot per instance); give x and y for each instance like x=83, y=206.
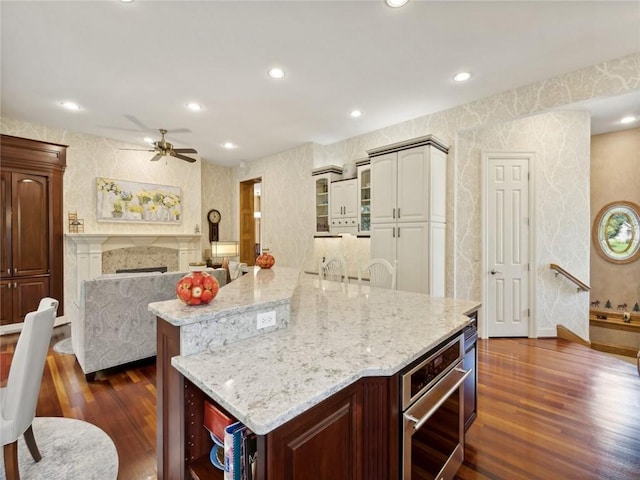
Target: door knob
x=493, y=271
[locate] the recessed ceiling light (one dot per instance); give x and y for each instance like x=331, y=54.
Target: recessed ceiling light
x=229, y=145
x=148, y=140
x=126, y=1
x=70, y=105
x=462, y=76
x=628, y=119
x=355, y=113
x=276, y=73
x=396, y=3
x=196, y=107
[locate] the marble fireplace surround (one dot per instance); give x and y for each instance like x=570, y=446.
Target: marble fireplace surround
x=90, y=247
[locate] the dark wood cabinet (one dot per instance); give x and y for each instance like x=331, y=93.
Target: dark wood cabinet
x=31, y=257
x=323, y=443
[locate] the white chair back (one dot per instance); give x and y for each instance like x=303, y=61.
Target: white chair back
x=381, y=273
x=25, y=375
x=333, y=269
x=236, y=269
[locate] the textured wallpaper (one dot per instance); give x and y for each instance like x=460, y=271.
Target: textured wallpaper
x=560, y=226
x=287, y=182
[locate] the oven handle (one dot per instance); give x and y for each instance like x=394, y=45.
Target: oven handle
x=418, y=423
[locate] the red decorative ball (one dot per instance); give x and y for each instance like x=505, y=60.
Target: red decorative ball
x=197, y=287
x=265, y=260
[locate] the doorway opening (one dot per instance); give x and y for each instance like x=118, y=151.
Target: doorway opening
x=250, y=220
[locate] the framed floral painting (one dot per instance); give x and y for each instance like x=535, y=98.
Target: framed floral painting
x=124, y=201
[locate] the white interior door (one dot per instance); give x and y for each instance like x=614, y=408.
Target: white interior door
x=507, y=245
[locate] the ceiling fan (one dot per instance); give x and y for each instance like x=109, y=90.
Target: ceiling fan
x=163, y=148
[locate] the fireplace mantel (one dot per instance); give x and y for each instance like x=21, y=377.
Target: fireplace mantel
x=89, y=248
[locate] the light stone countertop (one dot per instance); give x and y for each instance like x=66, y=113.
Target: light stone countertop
x=257, y=289
x=337, y=334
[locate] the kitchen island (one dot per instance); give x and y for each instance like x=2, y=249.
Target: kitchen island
x=331, y=367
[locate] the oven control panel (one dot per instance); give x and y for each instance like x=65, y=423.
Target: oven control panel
x=425, y=374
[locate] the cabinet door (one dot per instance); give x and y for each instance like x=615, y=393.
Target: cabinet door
x=350, y=198
x=383, y=241
x=383, y=188
x=322, y=205
x=337, y=199
x=413, y=185
x=413, y=253
x=5, y=248
x=323, y=444
x=364, y=199
x=6, y=302
x=21, y=296
x=30, y=249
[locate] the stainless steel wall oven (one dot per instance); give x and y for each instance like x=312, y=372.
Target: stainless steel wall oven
x=432, y=422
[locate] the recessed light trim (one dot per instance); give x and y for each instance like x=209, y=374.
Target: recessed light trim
x=396, y=3
x=355, y=113
x=628, y=119
x=462, y=76
x=276, y=72
x=229, y=145
x=70, y=105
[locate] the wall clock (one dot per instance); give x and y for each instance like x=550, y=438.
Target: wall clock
x=616, y=232
x=213, y=217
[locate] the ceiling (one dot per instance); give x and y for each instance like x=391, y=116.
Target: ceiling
x=132, y=67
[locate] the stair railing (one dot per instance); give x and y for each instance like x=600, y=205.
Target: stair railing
x=582, y=287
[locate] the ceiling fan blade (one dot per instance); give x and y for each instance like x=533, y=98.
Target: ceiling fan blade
x=157, y=157
x=185, y=150
x=179, y=130
x=137, y=122
x=182, y=157
x=139, y=149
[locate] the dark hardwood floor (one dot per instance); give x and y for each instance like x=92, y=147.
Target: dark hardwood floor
x=549, y=409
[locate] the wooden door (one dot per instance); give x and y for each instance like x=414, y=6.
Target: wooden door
x=30, y=224
x=5, y=248
x=247, y=223
x=507, y=231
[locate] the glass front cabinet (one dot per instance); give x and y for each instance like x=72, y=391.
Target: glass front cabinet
x=322, y=181
x=364, y=197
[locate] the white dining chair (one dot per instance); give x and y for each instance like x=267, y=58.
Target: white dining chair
x=381, y=273
x=19, y=398
x=333, y=269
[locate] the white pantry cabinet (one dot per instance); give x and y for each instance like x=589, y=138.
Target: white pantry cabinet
x=344, y=206
x=408, y=211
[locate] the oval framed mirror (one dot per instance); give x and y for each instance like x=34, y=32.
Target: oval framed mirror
x=616, y=232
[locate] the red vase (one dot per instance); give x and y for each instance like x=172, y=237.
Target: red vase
x=265, y=259
x=197, y=287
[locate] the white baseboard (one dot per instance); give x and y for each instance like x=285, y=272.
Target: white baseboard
x=547, y=332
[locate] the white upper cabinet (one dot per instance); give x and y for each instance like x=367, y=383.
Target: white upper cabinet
x=322, y=189
x=344, y=206
x=364, y=199
x=409, y=186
